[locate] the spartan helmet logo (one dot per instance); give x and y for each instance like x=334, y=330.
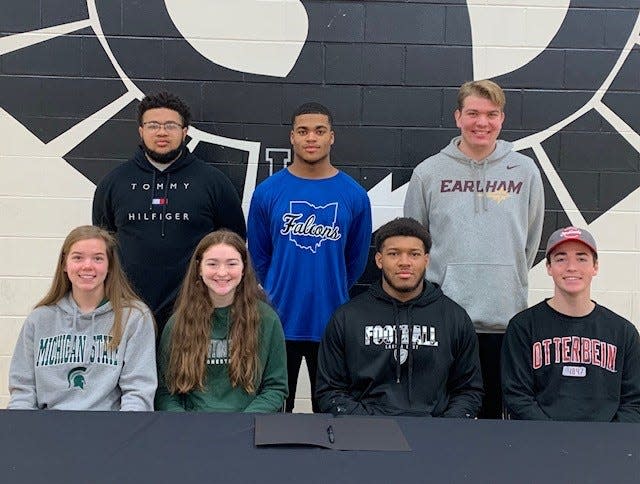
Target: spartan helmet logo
x=76, y=377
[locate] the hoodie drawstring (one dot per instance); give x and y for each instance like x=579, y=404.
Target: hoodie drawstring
x=410, y=356
x=74, y=325
x=165, y=198
x=474, y=167
x=93, y=325
x=481, y=185
x=398, y=338
x=484, y=184
x=153, y=190
x=166, y=202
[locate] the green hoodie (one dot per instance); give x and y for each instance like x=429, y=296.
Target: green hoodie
x=219, y=395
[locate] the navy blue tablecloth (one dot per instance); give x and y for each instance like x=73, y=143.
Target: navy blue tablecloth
x=104, y=447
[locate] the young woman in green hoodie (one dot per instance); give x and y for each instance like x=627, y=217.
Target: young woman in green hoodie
x=223, y=349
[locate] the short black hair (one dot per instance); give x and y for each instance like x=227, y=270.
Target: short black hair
x=164, y=99
x=404, y=227
x=311, y=108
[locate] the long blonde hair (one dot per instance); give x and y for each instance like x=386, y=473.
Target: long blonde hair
x=192, y=324
x=116, y=286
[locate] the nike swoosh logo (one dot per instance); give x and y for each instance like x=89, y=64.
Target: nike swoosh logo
x=511, y=166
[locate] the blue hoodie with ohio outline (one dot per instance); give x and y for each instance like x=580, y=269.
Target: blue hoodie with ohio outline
x=309, y=241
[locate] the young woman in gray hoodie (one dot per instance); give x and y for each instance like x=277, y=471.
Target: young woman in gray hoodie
x=89, y=344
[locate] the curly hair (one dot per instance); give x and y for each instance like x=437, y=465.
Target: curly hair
x=402, y=226
x=167, y=100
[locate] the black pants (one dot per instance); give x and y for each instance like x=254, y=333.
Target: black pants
x=490, y=346
x=295, y=351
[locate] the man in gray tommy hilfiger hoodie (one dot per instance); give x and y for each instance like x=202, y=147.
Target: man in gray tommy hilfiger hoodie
x=484, y=207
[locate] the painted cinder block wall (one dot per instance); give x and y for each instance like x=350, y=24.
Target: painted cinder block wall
x=72, y=72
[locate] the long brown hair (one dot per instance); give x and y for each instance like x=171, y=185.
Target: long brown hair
x=116, y=286
x=192, y=324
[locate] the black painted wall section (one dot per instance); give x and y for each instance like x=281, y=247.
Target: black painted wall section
x=388, y=69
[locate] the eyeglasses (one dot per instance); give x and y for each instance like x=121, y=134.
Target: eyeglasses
x=169, y=126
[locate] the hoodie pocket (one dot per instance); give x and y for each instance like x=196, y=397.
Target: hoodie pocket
x=491, y=293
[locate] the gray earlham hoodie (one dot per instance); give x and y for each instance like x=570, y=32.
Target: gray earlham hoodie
x=485, y=219
x=61, y=360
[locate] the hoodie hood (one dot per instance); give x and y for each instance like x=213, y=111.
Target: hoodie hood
x=69, y=306
x=430, y=293
x=185, y=159
x=479, y=168
x=73, y=319
x=93, y=322
x=503, y=148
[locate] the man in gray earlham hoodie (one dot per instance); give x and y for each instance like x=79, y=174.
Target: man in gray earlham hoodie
x=484, y=207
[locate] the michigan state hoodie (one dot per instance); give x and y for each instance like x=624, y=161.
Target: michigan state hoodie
x=62, y=361
x=485, y=219
x=381, y=356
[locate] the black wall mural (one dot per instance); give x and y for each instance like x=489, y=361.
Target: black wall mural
x=388, y=69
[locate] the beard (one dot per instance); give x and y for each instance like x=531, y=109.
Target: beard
x=163, y=158
x=403, y=289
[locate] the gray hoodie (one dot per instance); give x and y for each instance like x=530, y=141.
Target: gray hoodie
x=61, y=360
x=485, y=219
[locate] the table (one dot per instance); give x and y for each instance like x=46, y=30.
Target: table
x=110, y=447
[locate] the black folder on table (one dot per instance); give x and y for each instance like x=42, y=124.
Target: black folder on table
x=324, y=430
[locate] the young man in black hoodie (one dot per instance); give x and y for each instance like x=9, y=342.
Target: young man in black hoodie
x=403, y=347
x=162, y=202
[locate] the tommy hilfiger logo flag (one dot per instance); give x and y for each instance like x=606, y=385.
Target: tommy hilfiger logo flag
x=160, y=201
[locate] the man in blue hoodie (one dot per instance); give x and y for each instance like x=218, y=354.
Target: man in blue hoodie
x=309, y=232
x=403, y=347
x=162, y=202
x=484, y=205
